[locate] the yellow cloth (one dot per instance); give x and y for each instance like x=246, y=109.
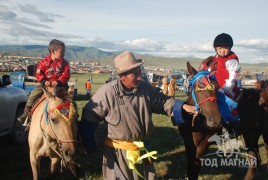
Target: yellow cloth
x=133, y=152
x=126, y=145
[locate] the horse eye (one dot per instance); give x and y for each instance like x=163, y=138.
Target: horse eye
x=53, y=120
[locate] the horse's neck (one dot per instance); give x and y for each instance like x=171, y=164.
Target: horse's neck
x=190, y=99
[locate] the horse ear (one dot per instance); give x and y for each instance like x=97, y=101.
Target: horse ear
x=205, y=64
x=71, y=92
x=192, y=71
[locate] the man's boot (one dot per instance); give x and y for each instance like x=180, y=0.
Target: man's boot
x=23, y=117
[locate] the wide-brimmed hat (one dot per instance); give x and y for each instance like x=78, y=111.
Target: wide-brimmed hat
x=126, y=62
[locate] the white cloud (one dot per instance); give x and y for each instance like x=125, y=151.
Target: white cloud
x=173, y=29
x=254, y=43
x=42, y=16
x=6, y=14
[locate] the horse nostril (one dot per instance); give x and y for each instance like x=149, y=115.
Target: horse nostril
x=67, y=155
x=210, y=119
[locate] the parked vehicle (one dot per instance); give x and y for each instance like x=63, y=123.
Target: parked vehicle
x=249, y=80
x=155, y=79
x=144, y=76
x=24, y=79
x=13, y=101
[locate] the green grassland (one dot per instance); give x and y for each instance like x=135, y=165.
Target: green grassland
x=171, y=162
x=166, y=140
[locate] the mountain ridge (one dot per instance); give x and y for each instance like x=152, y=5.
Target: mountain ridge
x=81, y=53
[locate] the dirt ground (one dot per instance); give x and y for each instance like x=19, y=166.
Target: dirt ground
x=15, y=163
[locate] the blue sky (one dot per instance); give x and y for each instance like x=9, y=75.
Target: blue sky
x=171, y=28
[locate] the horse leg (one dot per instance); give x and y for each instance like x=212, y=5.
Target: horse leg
x=252, y=166
x=35, y=164
x=251, y=138
x=266, y=148
x=54, y=166
x=190, y=149
x=202, y=147
x=201, y=144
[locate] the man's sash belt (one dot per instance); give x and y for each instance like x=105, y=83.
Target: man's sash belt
x=133, y=151
x=125, y=145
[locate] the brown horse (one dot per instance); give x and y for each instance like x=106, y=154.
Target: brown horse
x=53, y=132
x=253, y=113
x=261, y=85
x=197, y=132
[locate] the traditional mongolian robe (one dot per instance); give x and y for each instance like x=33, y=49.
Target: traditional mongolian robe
x=128, y=116
x=171, y=88
x=165, y=85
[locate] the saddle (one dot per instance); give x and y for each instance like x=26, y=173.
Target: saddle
x=41, y=99
x=28, y=119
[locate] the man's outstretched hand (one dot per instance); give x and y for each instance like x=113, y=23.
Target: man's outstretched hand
x=190, y=109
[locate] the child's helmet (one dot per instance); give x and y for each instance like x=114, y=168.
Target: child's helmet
x=223, y=40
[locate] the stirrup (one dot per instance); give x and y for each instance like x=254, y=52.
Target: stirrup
x=26, y=122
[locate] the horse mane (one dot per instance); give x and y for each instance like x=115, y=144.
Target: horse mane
x=64, y=94
x=205, y=64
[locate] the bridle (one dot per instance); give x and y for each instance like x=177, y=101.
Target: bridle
x=201, y=82
x=63, y=111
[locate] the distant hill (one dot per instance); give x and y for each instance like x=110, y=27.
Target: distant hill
x=159, y=62
x=74, y=53
x=79, y=53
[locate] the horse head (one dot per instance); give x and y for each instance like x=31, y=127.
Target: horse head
x=59, y=124
x=203, y=95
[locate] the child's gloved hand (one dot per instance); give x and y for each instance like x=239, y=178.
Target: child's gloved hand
x=54, y=83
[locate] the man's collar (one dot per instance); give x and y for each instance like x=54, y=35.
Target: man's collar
x=126, y=92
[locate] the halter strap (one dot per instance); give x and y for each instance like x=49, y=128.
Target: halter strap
x=211, y=99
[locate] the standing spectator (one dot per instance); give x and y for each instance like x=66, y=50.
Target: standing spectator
x=88, y=88
x=75, y=87
x=186, y=84
x=53, y=71
x=165, y=84
x=172, y=86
